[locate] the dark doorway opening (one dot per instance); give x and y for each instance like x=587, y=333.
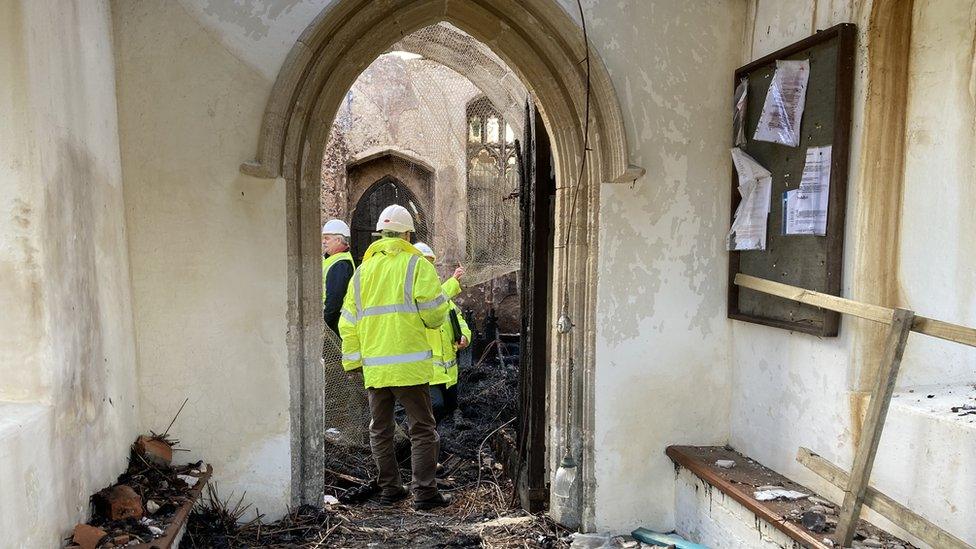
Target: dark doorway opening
x=386, y=191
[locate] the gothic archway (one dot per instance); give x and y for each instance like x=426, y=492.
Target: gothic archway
x=386, y=191
x=544, y=46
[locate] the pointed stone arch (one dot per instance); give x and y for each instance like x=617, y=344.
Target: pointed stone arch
x=545, y=48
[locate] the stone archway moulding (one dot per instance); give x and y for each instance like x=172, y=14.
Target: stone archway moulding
x=446, y=45
x=377, y=152
x=544, y=46
x=544, y=24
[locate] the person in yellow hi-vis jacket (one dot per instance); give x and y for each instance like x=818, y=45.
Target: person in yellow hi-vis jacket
x=393, y=298
x=445, y=344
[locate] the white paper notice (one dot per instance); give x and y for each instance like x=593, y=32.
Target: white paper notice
x=755, y=185
x=739, y=113
x=782, y=111
x=805, y=209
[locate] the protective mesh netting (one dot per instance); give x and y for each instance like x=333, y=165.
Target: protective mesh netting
x=434, y=125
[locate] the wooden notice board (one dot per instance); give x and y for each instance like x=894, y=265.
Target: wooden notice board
x=807, y=261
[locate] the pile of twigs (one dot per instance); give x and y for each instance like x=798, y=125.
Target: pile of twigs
x=479, y=516
x=222, y=523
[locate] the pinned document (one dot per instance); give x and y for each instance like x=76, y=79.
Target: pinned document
x=805, y=209
x=782, y=111
x=755, y=186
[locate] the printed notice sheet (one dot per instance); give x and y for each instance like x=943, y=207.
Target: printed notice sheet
x=739, y=113
x=755, y=186
x=782, y=111
x=805, y=209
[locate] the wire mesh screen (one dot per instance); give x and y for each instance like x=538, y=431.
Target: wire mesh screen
x=434, y=126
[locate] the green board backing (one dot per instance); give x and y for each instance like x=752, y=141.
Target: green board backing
x=807, y=261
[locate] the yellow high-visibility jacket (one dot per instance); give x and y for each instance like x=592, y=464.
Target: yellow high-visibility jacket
x=442, y=340
x=392, y=300
x=328, y=262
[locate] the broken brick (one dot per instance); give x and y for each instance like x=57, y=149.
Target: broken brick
x=88, y=537
x=122, y=540
x=154, y=450
x=118, y=503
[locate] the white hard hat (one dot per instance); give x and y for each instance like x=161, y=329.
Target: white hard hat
x=425, y=249
x=395, y=218
x=336, y=226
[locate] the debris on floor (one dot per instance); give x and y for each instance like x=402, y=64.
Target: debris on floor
x=774, y=497
x=658, y=539
x=590, y=541
x=769, y=493
x=482, y=514
x=149, y=498
x=475, y=519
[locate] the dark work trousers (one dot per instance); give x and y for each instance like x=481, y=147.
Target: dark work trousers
x=422, y=430
x=444, y=401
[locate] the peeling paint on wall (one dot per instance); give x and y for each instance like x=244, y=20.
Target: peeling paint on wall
x=253, y=17
x=259, y=33
x=661, y=327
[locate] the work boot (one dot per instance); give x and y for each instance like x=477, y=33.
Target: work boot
x=440, y=500
x=393, y=497
x=439, y=471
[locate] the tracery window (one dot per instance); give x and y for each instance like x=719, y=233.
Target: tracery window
x=492, y=173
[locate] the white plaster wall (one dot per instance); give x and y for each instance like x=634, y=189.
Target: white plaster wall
x=937, y=252
x=20, y=294
x=208, y=248
x=67, y=357
x=259, y=33
x=793, y=390
x=662, y=367
x=28, y=516
x=708, y=516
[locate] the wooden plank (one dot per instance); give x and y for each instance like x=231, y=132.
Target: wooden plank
x=945, y=330
x=882, y=504
x=177, y=526
x=867, y=447
x=839, y=304
x=740, y=494
x=923, y=325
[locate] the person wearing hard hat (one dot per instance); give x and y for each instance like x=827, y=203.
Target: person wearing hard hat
x=394, y=297
x=445, y=342
x=337, y=269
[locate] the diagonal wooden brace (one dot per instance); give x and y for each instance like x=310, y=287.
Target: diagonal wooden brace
x=901, y=325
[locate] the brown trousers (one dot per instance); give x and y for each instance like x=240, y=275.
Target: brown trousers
x=422, y=430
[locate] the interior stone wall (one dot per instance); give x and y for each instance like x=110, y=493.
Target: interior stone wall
x=662, y=368
x=207, y=247
x=68, y=397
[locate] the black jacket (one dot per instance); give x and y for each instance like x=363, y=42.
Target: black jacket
x=336, y=283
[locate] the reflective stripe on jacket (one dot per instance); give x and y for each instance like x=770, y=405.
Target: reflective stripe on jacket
x=442, y=345
x=392, y=299
x=328, y=262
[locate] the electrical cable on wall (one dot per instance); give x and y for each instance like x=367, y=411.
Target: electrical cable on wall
x=567, y=472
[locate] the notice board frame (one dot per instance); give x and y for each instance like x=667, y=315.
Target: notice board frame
x=799, y=260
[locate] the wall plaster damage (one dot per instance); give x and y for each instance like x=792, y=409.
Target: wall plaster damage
x=68, y=400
